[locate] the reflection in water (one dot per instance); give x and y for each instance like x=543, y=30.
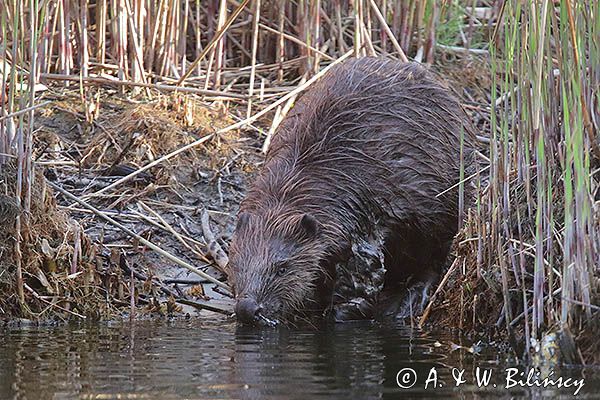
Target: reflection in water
x=358, y=359
x=217, y=359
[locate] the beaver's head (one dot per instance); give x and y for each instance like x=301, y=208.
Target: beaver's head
x=274, y=265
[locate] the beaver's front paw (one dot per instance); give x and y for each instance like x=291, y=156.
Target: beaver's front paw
x=359, y=281
x=355, y=309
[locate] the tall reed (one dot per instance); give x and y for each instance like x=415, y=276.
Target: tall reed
x=543, y=145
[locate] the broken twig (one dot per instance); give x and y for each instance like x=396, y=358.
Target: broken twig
x=214, y=249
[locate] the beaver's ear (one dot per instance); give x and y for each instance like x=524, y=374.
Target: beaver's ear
x=242, y=220
x=309, y=225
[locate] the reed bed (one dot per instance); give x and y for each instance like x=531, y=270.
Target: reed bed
x=528, y=260
x=545, y=155
x=528, y=256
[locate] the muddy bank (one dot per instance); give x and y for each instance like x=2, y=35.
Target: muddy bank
x=71, y=247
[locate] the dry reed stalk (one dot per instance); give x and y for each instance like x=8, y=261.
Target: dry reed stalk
x=297, y=41
x=121, y=44
x=430, y=43
x=137, y=38
x=76, y=249
x=368, y=43
x=101, y=11
x=24, y=111
x=17, y=28
x=183, y=37
x=84, y=50
x=280, y=41
x=253, y=60
x=64, y=34
x=437, y=292
x=29, y=168
x=219, y=49
x=214, y=40
x=278, y=118
x=358, y=32
x=316, y=33
x=131, y=296
x=387, y=30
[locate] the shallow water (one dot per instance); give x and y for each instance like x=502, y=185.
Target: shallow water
x=216, y=359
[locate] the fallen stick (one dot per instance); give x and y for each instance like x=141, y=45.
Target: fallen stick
x=463, y=181
x=25, y=110
x=145, y=242
x=456, y=49
x=184, y=281
x=205, y=306
x=167, y=227
x=279, y=116
x=150, y=165
x=157, y=86
x=437, y=292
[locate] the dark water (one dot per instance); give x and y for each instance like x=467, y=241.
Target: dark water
x=208, y=359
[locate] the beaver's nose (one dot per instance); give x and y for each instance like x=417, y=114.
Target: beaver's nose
x=247, y=310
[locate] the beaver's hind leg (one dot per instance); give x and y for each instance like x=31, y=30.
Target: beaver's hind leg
x=414, y=261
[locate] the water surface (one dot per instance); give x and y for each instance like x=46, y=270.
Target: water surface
x=216, y=359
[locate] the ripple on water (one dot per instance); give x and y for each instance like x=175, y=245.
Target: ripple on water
x=216, y=359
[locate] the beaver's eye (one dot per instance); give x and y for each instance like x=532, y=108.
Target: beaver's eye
x=281, y=269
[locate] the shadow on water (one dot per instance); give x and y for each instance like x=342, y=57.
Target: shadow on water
x=200, y=359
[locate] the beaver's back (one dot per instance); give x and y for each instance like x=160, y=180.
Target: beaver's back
x=372, y=136
x=403, y=99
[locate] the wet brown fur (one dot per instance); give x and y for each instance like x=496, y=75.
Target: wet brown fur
x=365, y=150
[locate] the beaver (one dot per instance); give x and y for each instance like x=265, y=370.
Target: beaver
x=354, y=189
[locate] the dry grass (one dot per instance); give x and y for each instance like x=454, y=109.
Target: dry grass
x=57, y=259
